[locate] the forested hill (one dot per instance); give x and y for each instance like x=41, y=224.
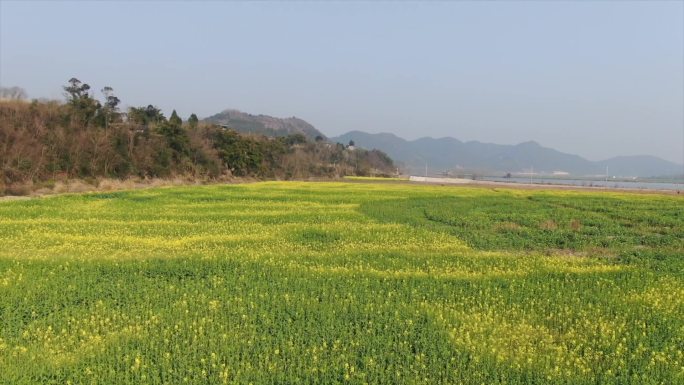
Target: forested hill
x=264, y=124
x=86, y=138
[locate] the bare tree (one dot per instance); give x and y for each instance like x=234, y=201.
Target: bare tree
x=12, y=93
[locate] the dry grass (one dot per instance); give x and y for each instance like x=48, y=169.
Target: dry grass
x=575, y=225
x=104, y=184
x=548, y=224
x=507, y=226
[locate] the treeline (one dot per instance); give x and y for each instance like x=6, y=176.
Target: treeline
x=85, y=138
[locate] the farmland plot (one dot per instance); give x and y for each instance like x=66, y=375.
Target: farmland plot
x=285, y=282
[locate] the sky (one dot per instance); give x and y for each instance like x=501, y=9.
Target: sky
x=593, y=78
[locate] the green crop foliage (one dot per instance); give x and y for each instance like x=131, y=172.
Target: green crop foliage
x=332, y=283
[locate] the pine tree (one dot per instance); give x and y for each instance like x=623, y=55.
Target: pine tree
x=193, y=121
x=175, y=120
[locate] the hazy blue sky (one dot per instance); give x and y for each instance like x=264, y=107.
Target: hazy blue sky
x=594, y=78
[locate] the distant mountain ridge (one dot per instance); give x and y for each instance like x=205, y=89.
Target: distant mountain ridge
x=449, y=154
x=263, y=124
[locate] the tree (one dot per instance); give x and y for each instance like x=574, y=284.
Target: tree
x=318, y=138
x=111, y=101
x=76, y=90
x=154, y=114
x=176, y=136
x=177, y=139
x=242, y=155
x=85, y=108
x=351, y=143
x=111, y=106
x=12, y=93
x=175, y=120
x=146, y=115
x=193, y=121
x=296, y=138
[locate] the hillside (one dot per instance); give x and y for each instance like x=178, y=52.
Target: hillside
x=449, y=154
x=641, y=165
x=43, y=143
x=263, y=124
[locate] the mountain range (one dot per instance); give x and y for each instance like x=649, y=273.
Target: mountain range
x=449, y=154
x=452, y=155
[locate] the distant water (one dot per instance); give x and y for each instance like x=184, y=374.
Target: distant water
x=591, y=183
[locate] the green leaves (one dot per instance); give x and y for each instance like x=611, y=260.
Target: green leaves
x=327, y=283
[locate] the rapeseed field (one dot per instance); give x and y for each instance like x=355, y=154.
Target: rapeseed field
x=342, y=283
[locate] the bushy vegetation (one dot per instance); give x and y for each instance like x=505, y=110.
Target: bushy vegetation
x=292, y=282
x=86, y=138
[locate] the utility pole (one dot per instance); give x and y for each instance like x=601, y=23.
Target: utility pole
x=531, y=173
x=426, y=168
